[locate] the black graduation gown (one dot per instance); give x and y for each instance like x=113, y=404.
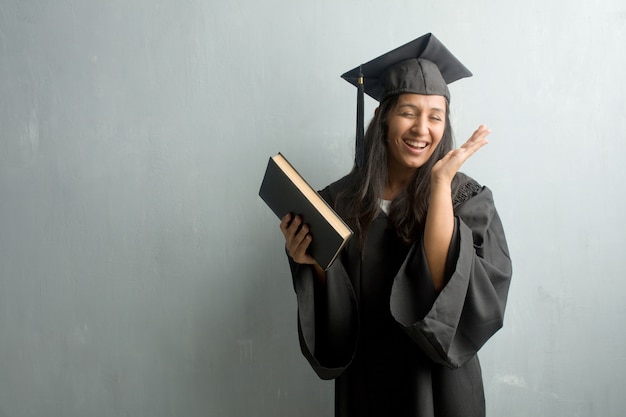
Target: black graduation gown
x=393, y=345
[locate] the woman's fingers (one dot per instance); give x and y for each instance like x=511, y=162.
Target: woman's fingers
x=477, y=140
x=449, y=165
x=297, y=238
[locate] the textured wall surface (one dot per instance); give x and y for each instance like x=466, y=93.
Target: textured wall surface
x=141, y=275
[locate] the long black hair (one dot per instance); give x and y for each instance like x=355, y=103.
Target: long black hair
x=408, y=210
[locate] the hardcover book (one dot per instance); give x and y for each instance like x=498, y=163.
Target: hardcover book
x=285, y=191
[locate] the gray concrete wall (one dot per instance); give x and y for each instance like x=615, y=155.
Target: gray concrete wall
x=140, y=274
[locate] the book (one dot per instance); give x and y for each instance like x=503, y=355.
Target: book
x=284, y=190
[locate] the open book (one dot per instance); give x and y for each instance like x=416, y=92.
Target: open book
x=285, y=191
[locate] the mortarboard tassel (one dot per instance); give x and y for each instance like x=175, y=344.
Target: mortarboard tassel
x=359, y=158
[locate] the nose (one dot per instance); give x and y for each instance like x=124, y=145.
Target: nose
x=420, y=127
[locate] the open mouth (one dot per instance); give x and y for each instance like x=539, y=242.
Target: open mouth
x=417, y=145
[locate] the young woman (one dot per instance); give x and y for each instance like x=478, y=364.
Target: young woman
x=398, y=318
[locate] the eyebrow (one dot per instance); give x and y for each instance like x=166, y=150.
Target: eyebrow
x=436, y=109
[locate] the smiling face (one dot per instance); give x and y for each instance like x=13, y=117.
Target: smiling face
x=415, y=127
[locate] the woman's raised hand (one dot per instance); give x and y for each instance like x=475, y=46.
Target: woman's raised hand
x=446, y=168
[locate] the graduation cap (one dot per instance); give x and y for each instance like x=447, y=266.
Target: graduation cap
x=422, y=66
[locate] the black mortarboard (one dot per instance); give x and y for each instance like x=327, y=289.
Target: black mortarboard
x=422, y=66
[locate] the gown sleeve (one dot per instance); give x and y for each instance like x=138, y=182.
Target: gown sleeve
x=328, y=320
x=450, y=327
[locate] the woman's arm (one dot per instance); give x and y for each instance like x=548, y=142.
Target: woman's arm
x=328, y=322
x=451, y=326
x=297, y=241
x=440, y=217
x=438, y=231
